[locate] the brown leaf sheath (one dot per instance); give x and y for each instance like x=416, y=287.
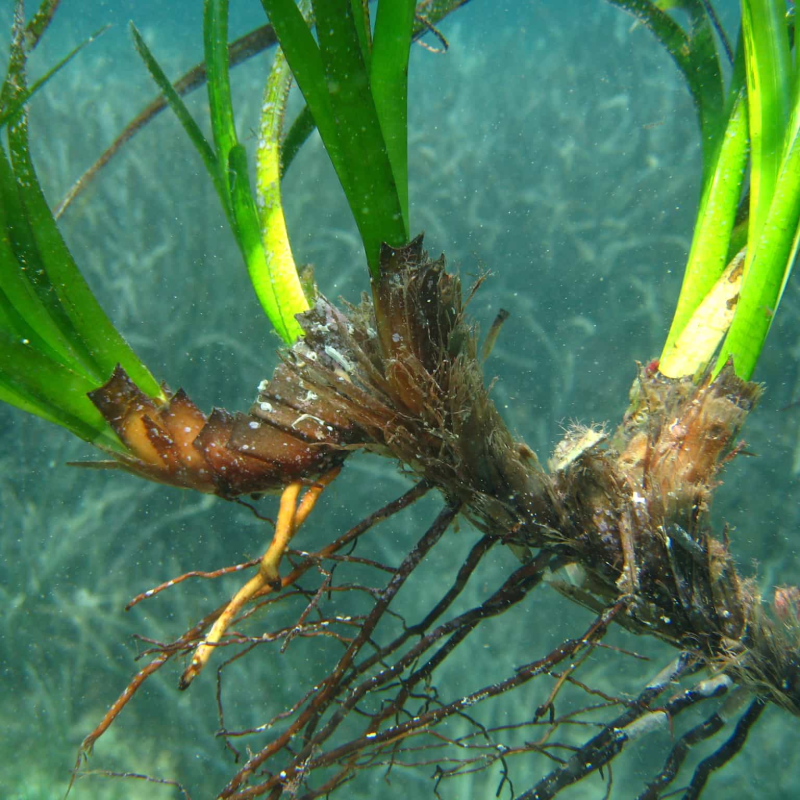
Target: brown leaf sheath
x=223, y=454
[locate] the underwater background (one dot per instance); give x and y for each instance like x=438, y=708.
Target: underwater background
x=555, y=146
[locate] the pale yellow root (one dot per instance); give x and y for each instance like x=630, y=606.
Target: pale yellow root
x=290, y=517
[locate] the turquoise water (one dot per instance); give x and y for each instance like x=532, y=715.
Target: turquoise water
x=554, y=145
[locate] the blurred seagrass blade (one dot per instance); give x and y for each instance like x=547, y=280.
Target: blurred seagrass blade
x=368, y=151
x=186, y=120
x=429, y=14
x=9, y=109
x=275, y=280
x=695, y=54
x=56, y=343
x=39, y=23
x=245, y=47
x=773, y=89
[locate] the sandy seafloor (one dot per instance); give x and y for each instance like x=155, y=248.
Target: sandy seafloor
x=553, y=145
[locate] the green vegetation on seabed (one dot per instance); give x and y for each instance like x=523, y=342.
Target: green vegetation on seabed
x=612, y=227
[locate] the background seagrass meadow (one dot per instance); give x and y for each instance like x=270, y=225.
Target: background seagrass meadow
x=555, y=146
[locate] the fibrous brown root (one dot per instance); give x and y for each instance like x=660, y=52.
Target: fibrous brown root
x=630, y=514
x=401, y=376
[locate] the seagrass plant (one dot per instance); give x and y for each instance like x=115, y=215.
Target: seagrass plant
x=617, y=523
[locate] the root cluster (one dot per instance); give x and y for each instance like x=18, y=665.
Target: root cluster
x=618, y=523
